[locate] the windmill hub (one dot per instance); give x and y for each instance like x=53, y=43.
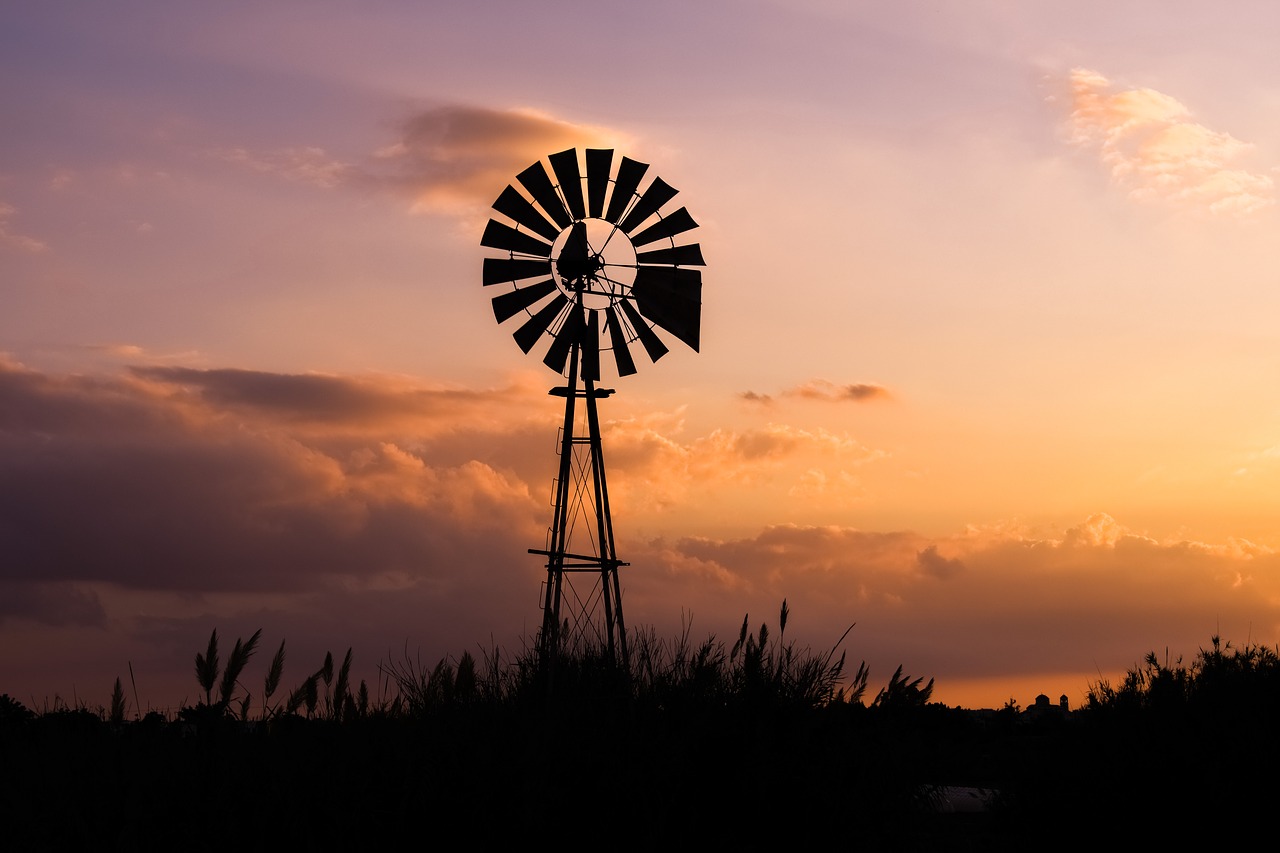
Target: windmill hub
x=594, y=259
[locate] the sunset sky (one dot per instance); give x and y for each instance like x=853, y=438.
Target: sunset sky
x=989, y=350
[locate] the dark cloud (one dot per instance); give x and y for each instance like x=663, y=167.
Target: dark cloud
x=821, y=389
x=55, y=604
x=138, y=512
x=933, y=563
x=127, y=482
x=465, y=153
x=320, y=399
x=32, y=402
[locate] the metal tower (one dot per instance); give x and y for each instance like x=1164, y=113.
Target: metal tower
x=582, y=562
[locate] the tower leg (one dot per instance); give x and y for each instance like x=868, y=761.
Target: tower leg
x=610, y=591
x=550, y=639
x=582, y=604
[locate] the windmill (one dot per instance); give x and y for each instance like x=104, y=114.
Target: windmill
x=591, y=265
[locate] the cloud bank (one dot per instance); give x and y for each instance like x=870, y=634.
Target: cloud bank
x=139, y=511
x=175, y=479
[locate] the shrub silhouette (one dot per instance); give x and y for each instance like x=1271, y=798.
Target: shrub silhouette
x=1222, y=683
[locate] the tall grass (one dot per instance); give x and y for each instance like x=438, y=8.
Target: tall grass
x=208, y=670
x=760, y=668
x=757, y=669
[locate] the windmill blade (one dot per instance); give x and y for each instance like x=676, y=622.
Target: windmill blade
x=569, y=333
x=672, y=298
x=669, y=279
x=669, y=226
x=498, y=270
x=528, y=334
x=653, y=345
x=565, y=164
x=683, y=256
x=499, y=236
x=599, y=162
x=591, y=347
x=510, y=304
x=518, y=209
x=538, y=183
x=618, y=336
x=658, y=194
x=629, y=174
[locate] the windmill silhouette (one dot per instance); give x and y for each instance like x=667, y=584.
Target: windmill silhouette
x=586, y=273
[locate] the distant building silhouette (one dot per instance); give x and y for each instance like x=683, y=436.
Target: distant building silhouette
x=1044, y=709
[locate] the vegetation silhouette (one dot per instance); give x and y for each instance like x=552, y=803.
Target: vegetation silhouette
x=1189, y=747
x=706, y=741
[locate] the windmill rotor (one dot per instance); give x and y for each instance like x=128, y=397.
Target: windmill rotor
x=590, y=259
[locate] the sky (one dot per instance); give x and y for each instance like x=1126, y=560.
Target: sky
x=987, y=363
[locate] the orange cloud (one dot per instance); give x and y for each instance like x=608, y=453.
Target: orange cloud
x=661, y=469
x=1151, y=145
x=447, y=159
x=460, y=155
x=821, y=389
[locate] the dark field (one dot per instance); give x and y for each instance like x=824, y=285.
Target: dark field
x=688, y=755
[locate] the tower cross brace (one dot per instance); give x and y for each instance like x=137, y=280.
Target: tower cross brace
x=582, y=599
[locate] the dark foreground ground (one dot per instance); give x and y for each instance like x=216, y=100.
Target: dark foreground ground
x=595, y=773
